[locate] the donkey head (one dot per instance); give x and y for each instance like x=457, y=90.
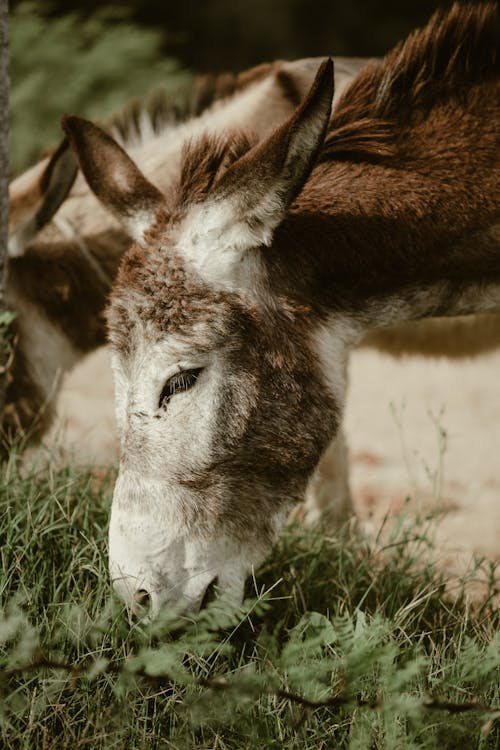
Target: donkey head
x=222, y=405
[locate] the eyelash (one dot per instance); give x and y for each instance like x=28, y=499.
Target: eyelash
x=183, y=381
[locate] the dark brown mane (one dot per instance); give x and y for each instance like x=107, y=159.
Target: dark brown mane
x=456, y=49
x=205, y=159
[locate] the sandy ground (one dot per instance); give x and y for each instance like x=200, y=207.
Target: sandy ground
x=422, y=433
x=425, y=433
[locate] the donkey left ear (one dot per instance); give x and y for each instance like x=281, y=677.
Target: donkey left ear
x=262, y=184
x=113, y=177
x=35, y=200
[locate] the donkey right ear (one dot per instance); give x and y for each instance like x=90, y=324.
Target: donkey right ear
x=114, y=178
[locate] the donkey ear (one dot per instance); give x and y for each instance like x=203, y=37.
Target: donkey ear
x=262, y=184
x=35, y=200
x=112, y=175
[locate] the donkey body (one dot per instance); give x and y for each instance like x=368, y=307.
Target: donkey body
x=232, y=315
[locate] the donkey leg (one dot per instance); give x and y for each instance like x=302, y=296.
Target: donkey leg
x=328, y=497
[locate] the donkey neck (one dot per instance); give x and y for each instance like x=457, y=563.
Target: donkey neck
x=413, y=236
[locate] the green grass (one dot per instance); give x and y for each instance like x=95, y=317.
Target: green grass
x=338, y=645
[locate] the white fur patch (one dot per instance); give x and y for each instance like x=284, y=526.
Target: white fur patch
x=18, y=241
x=151, y=548
x=331, y=342
x=139, y=223
x=223, y=251
x=164, y=442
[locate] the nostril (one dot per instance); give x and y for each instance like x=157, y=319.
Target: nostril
x=210, y=594
x=142, y=598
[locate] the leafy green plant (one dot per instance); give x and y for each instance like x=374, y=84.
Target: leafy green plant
x=339, y=643
x=88, y=66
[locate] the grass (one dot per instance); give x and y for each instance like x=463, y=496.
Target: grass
x=339, y=644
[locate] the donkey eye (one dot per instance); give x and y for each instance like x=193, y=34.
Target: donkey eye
x=183, y=381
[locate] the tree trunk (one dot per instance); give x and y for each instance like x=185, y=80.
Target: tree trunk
x=4, y=187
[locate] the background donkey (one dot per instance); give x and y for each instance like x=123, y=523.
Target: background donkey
x=233, y=313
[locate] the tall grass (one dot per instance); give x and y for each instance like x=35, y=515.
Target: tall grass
x=339, y=644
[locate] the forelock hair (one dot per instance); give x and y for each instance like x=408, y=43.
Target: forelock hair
x=205, y=160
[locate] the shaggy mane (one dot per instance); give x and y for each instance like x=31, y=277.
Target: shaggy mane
x=456, y=49
x=205, y=160
x=140, y=120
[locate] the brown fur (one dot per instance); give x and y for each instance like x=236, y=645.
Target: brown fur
x=433, y=65
x=213, y=88
x=421, y=216
x=58, y=280
x=408, y=182
x=355, y=139
x=154, y=287
x=204, y=161
x=128, y=199
x=289, y=85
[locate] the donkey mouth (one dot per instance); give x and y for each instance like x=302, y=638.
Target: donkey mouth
x=142, y=603
x=142, y=609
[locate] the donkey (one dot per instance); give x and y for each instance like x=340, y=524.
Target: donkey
x=233, y=313
x=63, y=260
x=65, y=249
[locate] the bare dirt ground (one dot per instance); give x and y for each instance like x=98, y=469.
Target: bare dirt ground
x=422, y=433
x=425, y=433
